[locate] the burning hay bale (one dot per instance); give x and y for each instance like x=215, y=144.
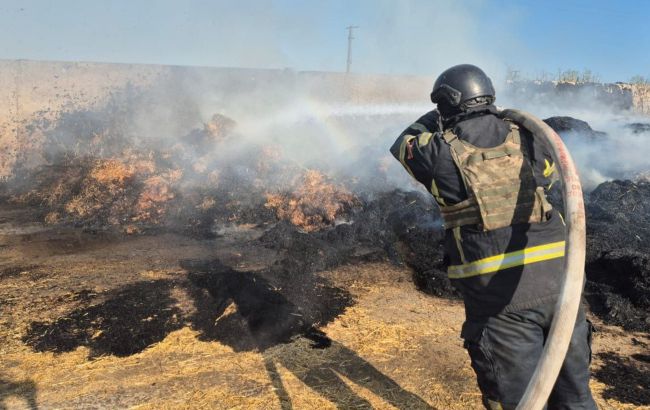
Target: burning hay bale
x=315, y=205
x=157, y=191
x=50, y=184
x=103, y=192
x=214, y=131
x=219, y=126
x=97, y=175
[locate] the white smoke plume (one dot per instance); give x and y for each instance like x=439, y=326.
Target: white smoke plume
x=314, y=121
x=615, y=150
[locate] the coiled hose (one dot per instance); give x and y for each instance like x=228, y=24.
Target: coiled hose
x=566, y=310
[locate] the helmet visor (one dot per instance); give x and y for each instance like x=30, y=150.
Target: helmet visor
x=446, y=94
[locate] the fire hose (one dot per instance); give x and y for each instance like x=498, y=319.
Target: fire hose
x=566, y=309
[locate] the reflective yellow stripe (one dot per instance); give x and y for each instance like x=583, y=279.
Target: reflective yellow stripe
x=402, y=152
x=507, y=260
x=419, y=127
x=494, y=405
x=424, y=138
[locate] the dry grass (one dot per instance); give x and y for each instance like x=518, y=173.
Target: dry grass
x=395, y=348
x=372, y=360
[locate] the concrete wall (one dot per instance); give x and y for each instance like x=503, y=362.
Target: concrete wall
x=34, y=89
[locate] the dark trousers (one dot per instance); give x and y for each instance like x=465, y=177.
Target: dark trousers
x=506, y=348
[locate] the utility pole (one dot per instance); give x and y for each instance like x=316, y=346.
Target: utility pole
x=350, y=38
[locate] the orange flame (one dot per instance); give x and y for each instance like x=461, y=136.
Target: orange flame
x=315, y=205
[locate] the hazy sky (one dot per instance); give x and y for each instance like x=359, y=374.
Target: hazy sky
x=611, y=38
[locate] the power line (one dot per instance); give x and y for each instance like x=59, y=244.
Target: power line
x=350, y=38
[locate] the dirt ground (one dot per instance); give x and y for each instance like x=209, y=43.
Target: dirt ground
x=103, y=320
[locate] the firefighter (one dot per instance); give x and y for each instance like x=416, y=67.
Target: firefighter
x=504, y=242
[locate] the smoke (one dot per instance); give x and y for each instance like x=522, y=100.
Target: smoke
x=620, y=154
x=613, y=148
x=342, y=125
x=313, y=122
x=318, y=123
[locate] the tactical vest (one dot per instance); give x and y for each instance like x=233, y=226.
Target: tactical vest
x=500, y=185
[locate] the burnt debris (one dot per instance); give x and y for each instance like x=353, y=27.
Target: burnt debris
x=245, y=310
x=570, y=125
x=618, y=249
x=121, y=322
x=639, y=127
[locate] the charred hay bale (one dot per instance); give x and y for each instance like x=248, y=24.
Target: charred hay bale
x=639, y=127
x=118, y=193
x=626, y=271
x=366, y=227
x=570, y=125
x=305, y=252
x=417, y=226
x=618, y=217
x=233, y=197
x=614, y=308
x=618, y=245
x=403, y=226
x=103, y=194
x=154, y=197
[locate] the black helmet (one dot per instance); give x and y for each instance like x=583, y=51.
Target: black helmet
x=462, y=84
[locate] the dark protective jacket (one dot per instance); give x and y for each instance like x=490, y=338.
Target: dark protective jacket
x=505, y=269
